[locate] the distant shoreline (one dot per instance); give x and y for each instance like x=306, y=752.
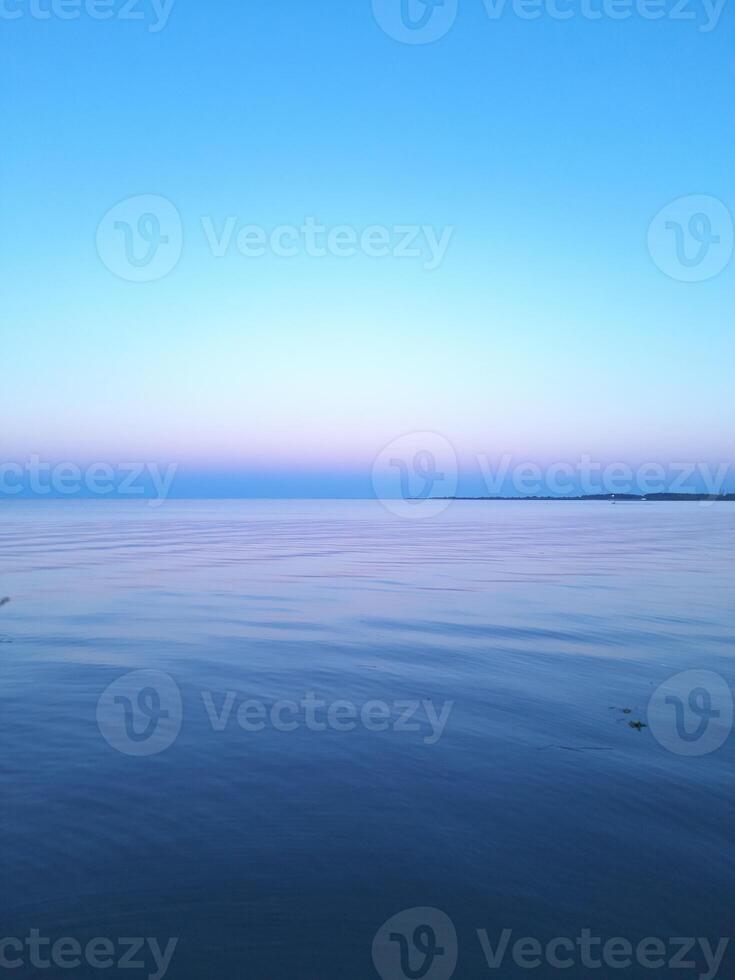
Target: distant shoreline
x=619, y=497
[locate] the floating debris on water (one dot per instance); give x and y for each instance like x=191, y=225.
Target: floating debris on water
x=638, y=725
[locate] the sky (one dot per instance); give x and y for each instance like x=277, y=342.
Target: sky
x=265, y=241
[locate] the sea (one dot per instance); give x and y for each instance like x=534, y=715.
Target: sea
x=311, y=740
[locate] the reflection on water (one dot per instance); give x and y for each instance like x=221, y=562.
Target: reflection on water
x=278, y=850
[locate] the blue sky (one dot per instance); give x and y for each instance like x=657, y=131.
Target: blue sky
x=544, y=147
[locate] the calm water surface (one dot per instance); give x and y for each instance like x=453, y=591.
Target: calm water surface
x=279, y=853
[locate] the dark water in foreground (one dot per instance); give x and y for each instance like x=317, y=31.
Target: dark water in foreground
x=279, y=853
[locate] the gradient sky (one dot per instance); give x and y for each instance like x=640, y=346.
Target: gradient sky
x=547, y=331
